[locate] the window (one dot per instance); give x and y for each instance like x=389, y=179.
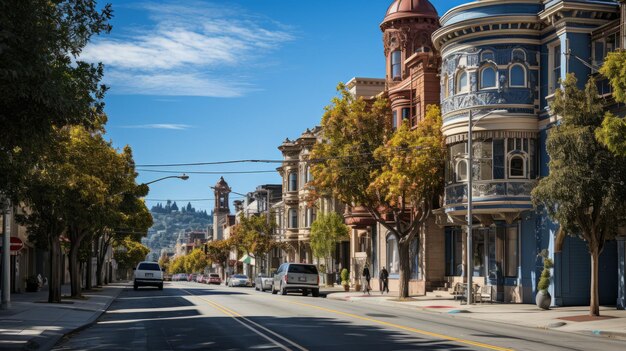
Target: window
x=308, y=177
x=446, y=90
x=461, y=171
x=310, y=217
x=406, y=114
x=454, y=252
x=293, y=218
x=488, y=78
x=517, y=167
x=396, y=65
x=511, y=258
x=393, y=257
x=556, y=67
x=518, y=76
x=461, y=83
x=394, y=120
x=293, y=181
x=487, y=56
x=518, y=55
x=498, y=159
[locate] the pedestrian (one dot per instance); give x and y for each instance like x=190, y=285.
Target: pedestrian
x=384, y=280
x=366, y=276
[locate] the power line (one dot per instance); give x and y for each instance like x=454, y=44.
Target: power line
x=207, y=172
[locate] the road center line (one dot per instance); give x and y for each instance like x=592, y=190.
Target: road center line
x=239, y=318
x=413, y=330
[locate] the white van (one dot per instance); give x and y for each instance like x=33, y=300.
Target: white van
x=148, y=274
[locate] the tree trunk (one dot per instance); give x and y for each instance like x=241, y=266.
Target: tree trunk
x=89, y=267
x=594, y=304
x=405, y=268
x=75, y=277
x=54, y=283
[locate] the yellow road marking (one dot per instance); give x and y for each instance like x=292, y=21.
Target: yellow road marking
x=239, y=318
x=413, y=330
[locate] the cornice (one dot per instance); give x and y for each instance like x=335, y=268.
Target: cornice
x=446, y=16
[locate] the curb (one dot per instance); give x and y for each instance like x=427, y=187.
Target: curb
x=57, y=336
x=610, y=334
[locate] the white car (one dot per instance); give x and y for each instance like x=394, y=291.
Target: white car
x=148, y=274
x=262, y=282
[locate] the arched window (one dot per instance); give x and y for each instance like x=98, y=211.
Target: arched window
x=393, y=257
x=462, y=85
x=461, y=171
x=488, y=78
x=293, y=218
x=487, y=56
x=445, y=88
x=517, y=74
x=518, y=55
x=396, y=65
x=517, y=166
x=293, y=181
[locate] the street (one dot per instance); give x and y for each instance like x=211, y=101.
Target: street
x=187, y=316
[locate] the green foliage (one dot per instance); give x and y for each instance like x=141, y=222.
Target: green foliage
x=612, y=134
x=614, y=68
x=345, y=277
x=252, y=235
x=583, y=191
x=196, y=261
x=178, y=265
x=326, y=231
x=43, y=83
x=218, y=251
x=129, y=253
x=544, y=281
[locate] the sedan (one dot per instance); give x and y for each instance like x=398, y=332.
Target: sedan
x=262, y=282
x=214, y=278
x=239, y=280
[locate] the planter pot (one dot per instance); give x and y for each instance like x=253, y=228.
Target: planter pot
x=543, y=299
x=32, y=287
x=346, y=287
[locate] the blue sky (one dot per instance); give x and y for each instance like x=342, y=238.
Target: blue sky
x=203, y=81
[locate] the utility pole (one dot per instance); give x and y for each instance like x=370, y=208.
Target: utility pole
x=6, y=255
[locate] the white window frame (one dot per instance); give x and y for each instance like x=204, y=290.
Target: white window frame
x=524, y=157
x=458, y=88
x=446, y=86
x=480, y=75
x=552, y=82
x=456, y=171
x=511, y=76
x=482, y=55
x=290, y=216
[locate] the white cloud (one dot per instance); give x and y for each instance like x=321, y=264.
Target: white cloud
x=160, y=126
x=192, y=49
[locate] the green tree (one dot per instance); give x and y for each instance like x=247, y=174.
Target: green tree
x=177, y=265
x=252, y=235
x=397, y=176
x=129, y=253
x=583, y=191
x=612, y=134
x=43, y=83
x=196, y=261
x=218, y=252
x=326, y=231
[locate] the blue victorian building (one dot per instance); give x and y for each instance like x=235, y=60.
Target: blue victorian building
x=502, y=60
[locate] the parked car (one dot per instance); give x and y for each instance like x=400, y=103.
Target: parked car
x=239, y=280
x=191, y=277
x=296, y=276
x=167, y=277
x=200, y=278
x=214, y=278
x=148, y=274
x=262, y=282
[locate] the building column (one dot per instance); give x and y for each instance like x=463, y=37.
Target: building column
x=621, y=271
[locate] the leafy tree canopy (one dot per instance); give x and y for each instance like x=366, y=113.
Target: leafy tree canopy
x=612, y=134
x=326, y=231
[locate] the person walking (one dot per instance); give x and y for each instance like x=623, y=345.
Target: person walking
x=384, y=280
x=367, y=277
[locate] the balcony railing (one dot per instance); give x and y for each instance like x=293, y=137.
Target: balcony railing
x=483, y=189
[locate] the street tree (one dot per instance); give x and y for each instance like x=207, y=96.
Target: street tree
x=612, y=134
x=253, y=236
x=129, y=252
x=177, y=265
x=43, y=83
x=397, y=176
x=218, y=251
x=326, y=231
x=196, y=261
x=584, y=191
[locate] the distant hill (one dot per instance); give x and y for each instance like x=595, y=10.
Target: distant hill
x=170, y=220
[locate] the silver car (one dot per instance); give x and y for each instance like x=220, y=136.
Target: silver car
x=296, y=277
x=239, y=280
x=262, y=282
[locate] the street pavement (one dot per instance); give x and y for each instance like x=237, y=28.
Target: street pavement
x=191, y=316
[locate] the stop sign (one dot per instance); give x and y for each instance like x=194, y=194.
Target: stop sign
x=16, y=244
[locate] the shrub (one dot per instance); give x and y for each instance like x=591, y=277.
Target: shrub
x=544, y=281
x=345, y=277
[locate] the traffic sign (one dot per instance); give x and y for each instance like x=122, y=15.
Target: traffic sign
x=16, y=244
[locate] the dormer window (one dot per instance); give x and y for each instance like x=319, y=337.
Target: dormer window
x=518, y=55
x=487, y=56
x=396, y=65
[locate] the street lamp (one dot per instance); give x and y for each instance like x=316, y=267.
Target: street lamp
x=470, y=161
x=183, y=177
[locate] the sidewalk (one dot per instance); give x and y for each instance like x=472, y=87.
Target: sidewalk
x=611, y=323
x=34, y=324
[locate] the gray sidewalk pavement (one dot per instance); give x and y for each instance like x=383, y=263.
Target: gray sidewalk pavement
x=34, y=324
x=611, y=323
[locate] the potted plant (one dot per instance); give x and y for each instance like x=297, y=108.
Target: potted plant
x=32, y=284
x=543, y=298
x=345, y=279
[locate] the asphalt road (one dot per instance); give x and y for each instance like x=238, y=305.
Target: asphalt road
x=191, y=316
